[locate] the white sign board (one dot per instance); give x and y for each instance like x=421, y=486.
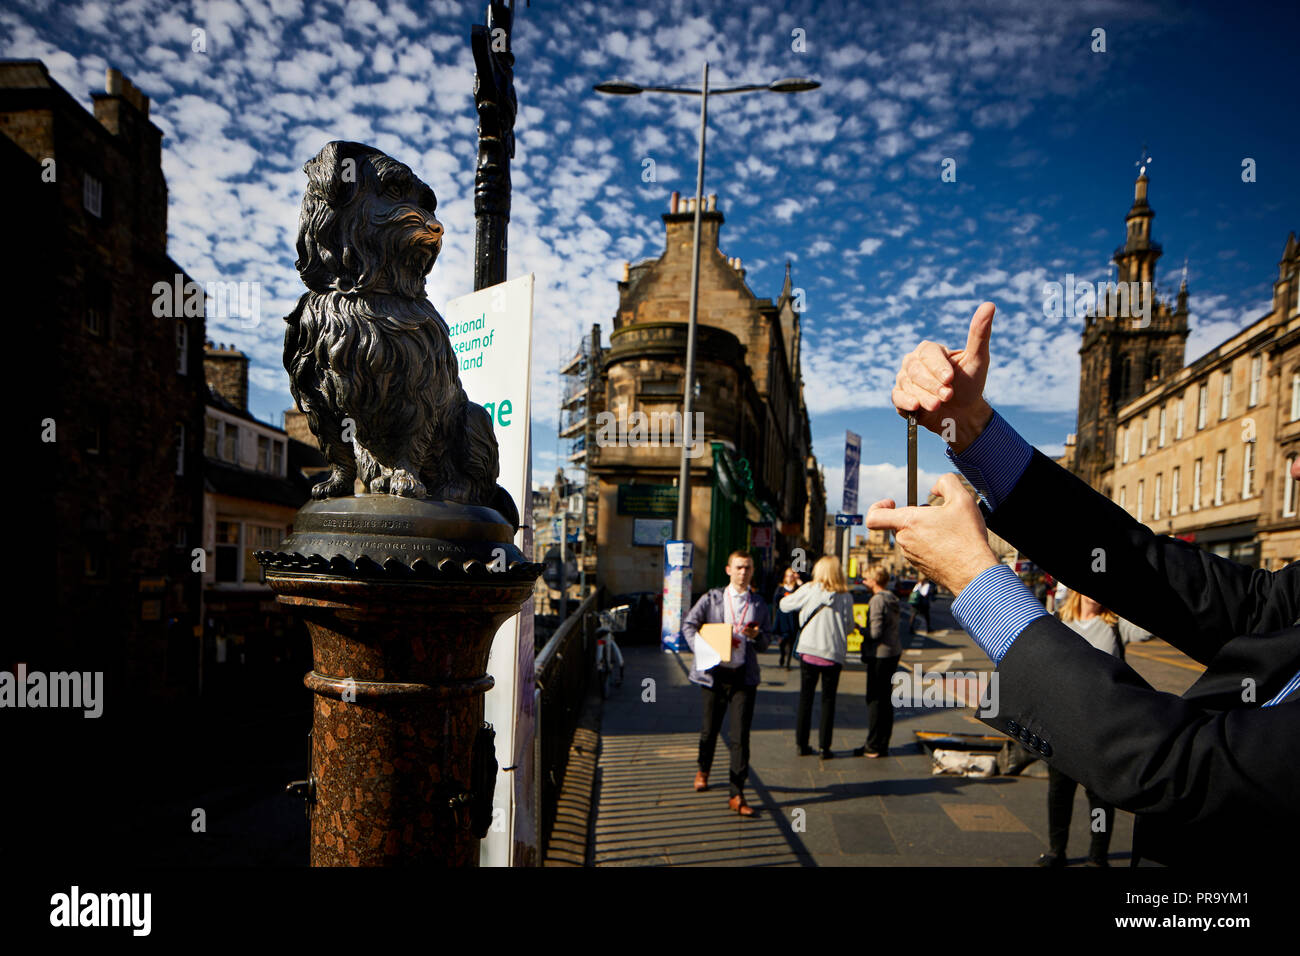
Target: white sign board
x=492, y=334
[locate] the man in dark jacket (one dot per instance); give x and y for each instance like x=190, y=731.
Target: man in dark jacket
x=1212, y=775
x=881, y=649
x=729, y=686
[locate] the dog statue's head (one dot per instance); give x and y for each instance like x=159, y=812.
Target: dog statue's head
x=367, y=224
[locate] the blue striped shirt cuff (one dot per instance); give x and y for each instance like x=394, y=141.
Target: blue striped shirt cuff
x=995, y=608
x=1288, y=690
x=994, y=461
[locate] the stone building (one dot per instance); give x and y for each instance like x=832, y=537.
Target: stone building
x=1204, y=453
x=256, y=477
x=1125, y=352
x=118, y=388
x=754, y=480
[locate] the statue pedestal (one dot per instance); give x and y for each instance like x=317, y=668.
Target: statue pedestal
x=402, y=598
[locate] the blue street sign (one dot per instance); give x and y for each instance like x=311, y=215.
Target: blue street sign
x=843, y=521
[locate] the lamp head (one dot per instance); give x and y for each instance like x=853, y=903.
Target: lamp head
x=793, y=84
x=617, y=88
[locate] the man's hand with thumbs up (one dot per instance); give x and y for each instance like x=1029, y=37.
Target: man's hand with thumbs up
x=944, y=388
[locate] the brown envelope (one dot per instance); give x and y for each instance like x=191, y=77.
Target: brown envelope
x=718, y=637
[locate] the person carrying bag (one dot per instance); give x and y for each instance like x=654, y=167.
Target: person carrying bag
x=825, y=609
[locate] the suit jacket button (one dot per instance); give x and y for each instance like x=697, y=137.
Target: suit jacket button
x=1034, y=741
x=1013, y=728
x=1025, y=736
x=1046, y=749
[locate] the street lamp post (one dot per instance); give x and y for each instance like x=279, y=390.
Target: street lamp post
x=624, y=88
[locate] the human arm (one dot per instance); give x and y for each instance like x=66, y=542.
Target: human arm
x=1192, y=598
x=1143, y=750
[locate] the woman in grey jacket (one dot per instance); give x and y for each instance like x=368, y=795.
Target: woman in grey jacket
x=825, y=609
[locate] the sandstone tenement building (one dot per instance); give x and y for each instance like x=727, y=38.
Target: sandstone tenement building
x=120, y=489
x=1201, y=452
x=755, y=482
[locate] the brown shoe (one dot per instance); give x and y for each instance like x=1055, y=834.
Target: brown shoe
x=701, y=780
x=738, y=804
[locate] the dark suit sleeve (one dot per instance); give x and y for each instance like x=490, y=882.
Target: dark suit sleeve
x=1194, y=600
x=1093, y=718
x=694, y=618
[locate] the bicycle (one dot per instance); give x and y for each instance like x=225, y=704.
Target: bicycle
x=613, y=621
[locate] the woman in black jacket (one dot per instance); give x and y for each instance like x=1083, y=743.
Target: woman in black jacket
x=786, y=623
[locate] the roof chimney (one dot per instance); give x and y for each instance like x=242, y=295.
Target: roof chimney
x=673, y=201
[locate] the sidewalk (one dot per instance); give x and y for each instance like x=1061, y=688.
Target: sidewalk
x=849, y=811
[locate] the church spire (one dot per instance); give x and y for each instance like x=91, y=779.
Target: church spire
x=1136, y=259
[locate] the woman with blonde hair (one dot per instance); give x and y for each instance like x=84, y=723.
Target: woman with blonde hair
x=825, y=609
x=1106, y=631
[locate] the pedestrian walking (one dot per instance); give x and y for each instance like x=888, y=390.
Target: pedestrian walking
x=730, y=687
x=881, y=650
x=1104, y=630
x=786, y=623
x=825, y=609
x=919, y=599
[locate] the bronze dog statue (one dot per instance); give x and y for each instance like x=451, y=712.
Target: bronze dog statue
x=369, y=359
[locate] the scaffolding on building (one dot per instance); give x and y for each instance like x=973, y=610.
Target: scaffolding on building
x=582, y=402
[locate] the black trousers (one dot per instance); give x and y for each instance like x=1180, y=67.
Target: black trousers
x=880, y=708
x=921, y=609
x=787, y=648
x=808, y=676
x=728, y=695
x=1060, y=807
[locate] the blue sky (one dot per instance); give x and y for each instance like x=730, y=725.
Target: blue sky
x=844, y=181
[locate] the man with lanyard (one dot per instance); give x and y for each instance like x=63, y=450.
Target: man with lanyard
x=729, y=685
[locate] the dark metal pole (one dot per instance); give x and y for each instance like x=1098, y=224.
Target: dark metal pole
x=911, y=461
x=688, y=386
x=494, y=98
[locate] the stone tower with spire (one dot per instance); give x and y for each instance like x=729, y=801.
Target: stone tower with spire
x=1124, y=352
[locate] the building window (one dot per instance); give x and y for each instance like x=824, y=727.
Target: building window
x=92, y=195
x=227, y=547
x=1123, y=489
x=1220, y=468
x=95, y=435
x=277, y=458
x=230, y=446
x=94, y=321
x=1160, y=438
x=1256, y=375
x=94, y=560
x=1178, y=417
x=1142, y=446
x=180, y=448
x=1295, y=396
x=1202, y=403
x=1226, y=398
x=1155, y=496
x=1288, y=490
x=1141, y=494
x=263, y=453
x=1128, y=431
x=1196, y=485
x=1175, y=490
x=1248, y=471
x=211, y=436
x=182, y=349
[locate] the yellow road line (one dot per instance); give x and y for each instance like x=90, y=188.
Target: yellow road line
x=1162, y=659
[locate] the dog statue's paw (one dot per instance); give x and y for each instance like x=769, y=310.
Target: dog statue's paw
x=336, y=485
x=406, y=484
x=379, y=485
